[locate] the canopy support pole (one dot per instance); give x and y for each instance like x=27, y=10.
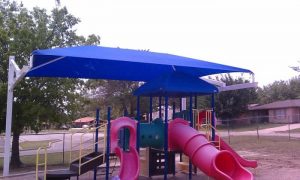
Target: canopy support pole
x=96, y=138
x=107, y=144
x=138, y=124
x=159, y=104
x=213, y=116
x=174, y=110
x=166, y=139
x=191, y=124
x=14, y=76
x=150, y=110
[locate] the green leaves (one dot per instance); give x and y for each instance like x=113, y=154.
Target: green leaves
x=38, y=101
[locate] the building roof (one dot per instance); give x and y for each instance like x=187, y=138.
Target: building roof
x=277, y=105
x=84, y=120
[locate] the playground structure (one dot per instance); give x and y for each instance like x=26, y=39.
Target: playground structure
x=214, y=158
x=206, y=151
x=175, y=76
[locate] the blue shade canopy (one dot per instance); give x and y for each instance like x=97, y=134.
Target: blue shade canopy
x=95, y=62
x=176, y=84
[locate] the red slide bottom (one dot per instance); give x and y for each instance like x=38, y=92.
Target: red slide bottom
x=221, y=165
x=129, y=169
x=244, y=162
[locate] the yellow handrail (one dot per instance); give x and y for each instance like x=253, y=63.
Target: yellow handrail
x=44, y=163
x=207, y=127
x=84, y=131
x=104, y=126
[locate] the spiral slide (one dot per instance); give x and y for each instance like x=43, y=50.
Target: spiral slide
x=221, y=165
x=130, y=167
x=243, y=162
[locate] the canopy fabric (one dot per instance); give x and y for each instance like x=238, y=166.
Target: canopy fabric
x=176, y=84
x=95, y=62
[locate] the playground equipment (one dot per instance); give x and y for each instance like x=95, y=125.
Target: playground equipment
x=129, y=169
x=89, y=157
x=214, y=163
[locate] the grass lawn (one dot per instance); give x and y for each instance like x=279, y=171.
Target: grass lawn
x=248, y=127
x=53, y=159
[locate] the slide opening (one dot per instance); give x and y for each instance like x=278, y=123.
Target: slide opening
x=124, y=139
x=226, y=163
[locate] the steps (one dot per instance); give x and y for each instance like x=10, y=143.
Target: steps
x=88, y=162
x=59, y=175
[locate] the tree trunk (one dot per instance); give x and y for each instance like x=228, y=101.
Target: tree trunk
x=15, y=161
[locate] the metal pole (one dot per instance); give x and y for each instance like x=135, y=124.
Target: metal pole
x=150, y=108
x=138, y=125
x=180, y=105
x=123, y=132
x=174, y=109
x=107, y=144
x=213, y=116
x=9, y=107
x=191, y=124
x=159, y=103
x=166, y=140
x=96, y=139
x=64, y=137
x=196, y=107
x=180, y=109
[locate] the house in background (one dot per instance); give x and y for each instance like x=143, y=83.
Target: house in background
x=89, y=121
x=287, y=111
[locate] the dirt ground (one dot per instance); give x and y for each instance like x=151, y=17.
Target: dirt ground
x=278, y=158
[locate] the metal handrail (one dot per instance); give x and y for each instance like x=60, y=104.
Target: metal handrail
x=85, y=131
x=45, y=149
x=81, y=147
x=207, y=126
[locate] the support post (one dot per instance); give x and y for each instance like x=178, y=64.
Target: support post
x=96, y=139
x=180, y=105
x=166, y=140
x=159, y=103
x=174, y=109
x=150, y=108
x=138, y=125
x=9, y=108
x=124, y=132
x=213, y=133
x=191, y=124
x=180, y=109
x=107, y=144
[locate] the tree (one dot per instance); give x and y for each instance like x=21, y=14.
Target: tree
x=117, y=94
x=230, y=104
x=280, y=90
x=37, y=100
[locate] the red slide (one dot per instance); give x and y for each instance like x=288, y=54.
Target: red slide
x=130, y=164
x=221, y=165
x=243, y=162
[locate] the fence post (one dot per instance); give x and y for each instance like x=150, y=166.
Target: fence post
x=289, y=128
x=257, y=129
x=64, y=134
x=228, y=130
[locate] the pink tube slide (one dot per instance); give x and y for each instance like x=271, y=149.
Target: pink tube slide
x=221, y=165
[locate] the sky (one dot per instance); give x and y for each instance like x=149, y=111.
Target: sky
x=260, y=35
